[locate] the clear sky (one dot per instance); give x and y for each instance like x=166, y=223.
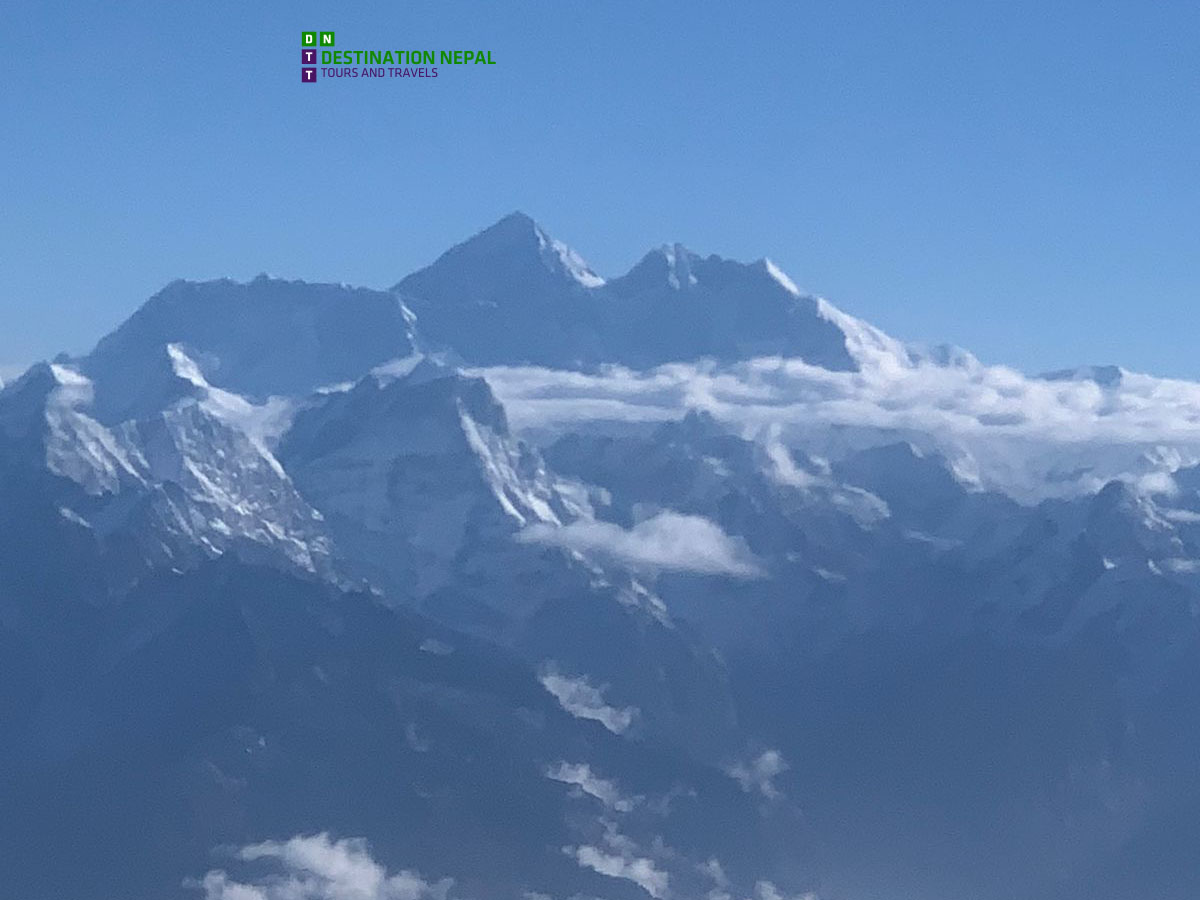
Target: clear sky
x=1021, y=178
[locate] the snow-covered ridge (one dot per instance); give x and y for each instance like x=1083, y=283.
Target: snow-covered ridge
x=77, y=446
x=262, y=423
x=513, y=294
x=1062, y=433
x=559, y=256
x=679, y=267
x=266, y=337
x=189, y=479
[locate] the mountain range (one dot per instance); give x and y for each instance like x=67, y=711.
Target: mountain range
x=516, y=581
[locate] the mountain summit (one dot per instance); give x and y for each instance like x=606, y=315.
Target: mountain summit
x=268, y=336
x=512, y=294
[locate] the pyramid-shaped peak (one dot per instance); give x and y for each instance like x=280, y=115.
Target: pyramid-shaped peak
x=675, y=252
x=668, y=264
x=517, y=221
x=514, y=230
x=514, y=247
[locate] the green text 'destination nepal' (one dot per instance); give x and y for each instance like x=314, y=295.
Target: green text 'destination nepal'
x=406, y=57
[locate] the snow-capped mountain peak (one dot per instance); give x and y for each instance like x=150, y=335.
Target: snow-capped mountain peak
x=516, y=245
x=262, y=338
x=668, y=265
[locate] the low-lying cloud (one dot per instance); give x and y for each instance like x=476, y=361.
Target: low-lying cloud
x=667, y=541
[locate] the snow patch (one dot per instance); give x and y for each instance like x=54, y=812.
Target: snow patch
x=562, y=258
x=780, y=276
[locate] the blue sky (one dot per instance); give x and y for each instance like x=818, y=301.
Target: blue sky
x=1019, y=178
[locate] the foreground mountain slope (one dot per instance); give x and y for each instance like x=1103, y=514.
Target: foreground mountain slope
x=233, y=703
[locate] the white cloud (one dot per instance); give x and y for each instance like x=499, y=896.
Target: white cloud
x=621, y=858
x=667, y=541
x=783, y=466
x=581, y=776
x=759, y=774
x=582, y=699
x=1032, y=437
x=318, y=868
x=640, y=870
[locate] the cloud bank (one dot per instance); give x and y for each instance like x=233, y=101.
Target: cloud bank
x=1029, y=436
